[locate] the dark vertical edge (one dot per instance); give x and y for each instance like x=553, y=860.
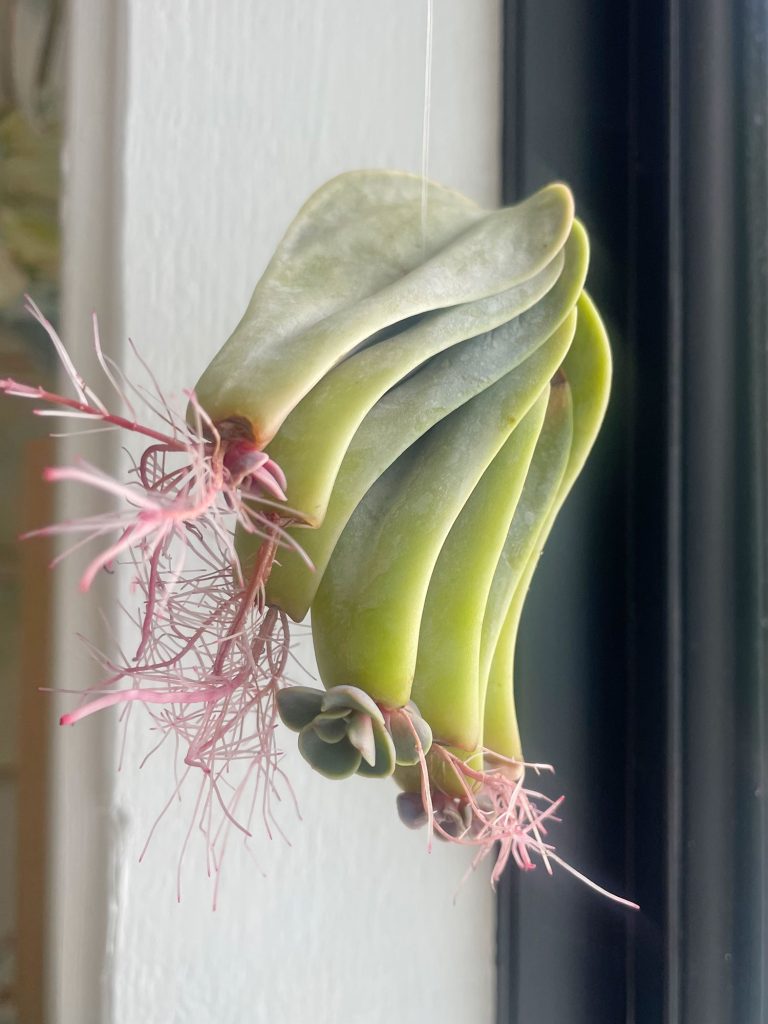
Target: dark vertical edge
x=673, y=742
x=571, y=656
x=711, y=522
x=694, y=397
x=506, y=949
x=652, y=507
x=750, y=952
x=512, y=142
x=635, y=87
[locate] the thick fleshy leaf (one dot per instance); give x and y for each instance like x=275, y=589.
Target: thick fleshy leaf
x=446, y=682
x=298, y=705
x=452, y=821
x=384, y=762
x=334, y=254
x=374, y=588
x=406, y=750
x=422, y=727
x=268, y=365
x=333, y=760
x=588, y=371
x=410, y=808
x=351, y=698
x=542, y=483
x=332, y=727
x=360, y=733
x=311, y=444
x=531, y=344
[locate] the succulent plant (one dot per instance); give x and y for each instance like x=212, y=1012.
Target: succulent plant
x=391, y=429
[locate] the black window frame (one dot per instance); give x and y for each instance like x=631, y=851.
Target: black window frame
x=642, y=669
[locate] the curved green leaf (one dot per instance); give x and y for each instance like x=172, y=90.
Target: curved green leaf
x=333, y=760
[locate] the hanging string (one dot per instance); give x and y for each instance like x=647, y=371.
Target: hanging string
x=425, y=122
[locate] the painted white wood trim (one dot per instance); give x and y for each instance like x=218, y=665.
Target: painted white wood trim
x=82, y=763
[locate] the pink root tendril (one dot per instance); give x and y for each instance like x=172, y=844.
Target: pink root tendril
x=210, y=656
x=491, y=810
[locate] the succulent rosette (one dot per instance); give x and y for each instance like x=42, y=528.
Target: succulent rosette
x=343, y=731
